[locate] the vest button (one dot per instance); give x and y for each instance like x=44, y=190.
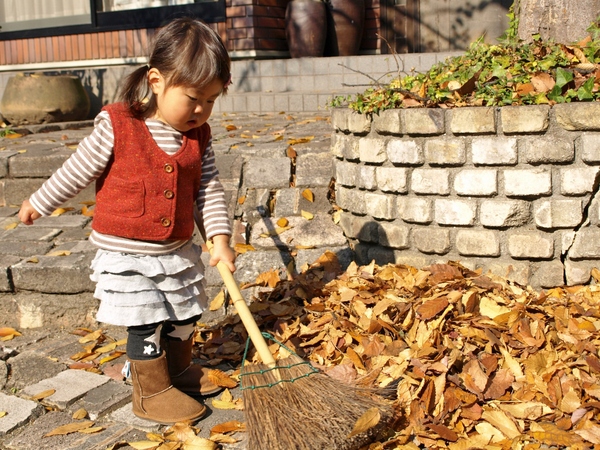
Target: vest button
x=166, y=222
x=169, y=168
x=169, y=194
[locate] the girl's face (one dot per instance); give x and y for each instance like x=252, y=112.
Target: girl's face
x=182, y=107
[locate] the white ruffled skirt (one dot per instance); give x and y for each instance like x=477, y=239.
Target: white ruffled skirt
x=142, y=289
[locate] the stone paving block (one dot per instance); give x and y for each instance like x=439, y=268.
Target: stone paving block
x=125, y=415
x=49, y=273
x=40, y=160
x=24, y=249
x=70, y=385
x=6, y=261
x=8, y=211
x=104, y=399
x=3, y=374
x=19, y=411
x=30, y=233
x=267, y=172
x=30, y=367
x=344, y=254
x=314, y=170
x=61, y=222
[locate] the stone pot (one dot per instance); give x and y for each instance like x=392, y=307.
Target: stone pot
x=306, y=28
x=345, y=24
x=44, y=99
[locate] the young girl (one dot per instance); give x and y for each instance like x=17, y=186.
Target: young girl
x=153, y=164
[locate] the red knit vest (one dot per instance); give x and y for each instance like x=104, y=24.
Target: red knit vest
x=144, y=193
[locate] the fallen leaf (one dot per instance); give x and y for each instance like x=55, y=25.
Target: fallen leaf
x=11, y=226
x=307, y=215
x=282, y=222
x=217, y=302
x=302, y=140
x=59, y=253
x=44, y=394
x=60, y=211
x=228, y=427
x=143, y=445
x=221, y=379
x=81, y=413
x=243, y=248
x=368, y=420
x=308, y=195
x=70, y=428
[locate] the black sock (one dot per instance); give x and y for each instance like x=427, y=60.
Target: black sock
x=143, y=342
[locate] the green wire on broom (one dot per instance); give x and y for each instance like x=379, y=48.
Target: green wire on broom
x=290, y=405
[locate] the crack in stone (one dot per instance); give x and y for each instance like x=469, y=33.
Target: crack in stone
x=584, y=222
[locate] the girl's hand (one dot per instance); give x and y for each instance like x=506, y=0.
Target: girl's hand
x=222, y=252
x=27, y=214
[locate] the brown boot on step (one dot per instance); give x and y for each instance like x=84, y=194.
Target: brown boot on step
x=155, y=398
x=185, y=376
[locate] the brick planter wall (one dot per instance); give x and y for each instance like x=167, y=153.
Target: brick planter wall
x=511, y=190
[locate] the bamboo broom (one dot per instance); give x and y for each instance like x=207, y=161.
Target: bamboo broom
x=290, y=405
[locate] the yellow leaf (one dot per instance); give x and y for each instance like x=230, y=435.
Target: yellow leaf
x=81, y=413
x=42, y=395
x=91, y=430
x=2, y=414
x=307, y=215
x=107, y=348
x=279, y=137
x=308, y=195
x=275, y=232
x=228, y=427
x=11, y=226
x=90, y=337
x=60, y=211
x=13, y=135
x=112, y=356
x=217, y=302
x=70, y=428
x=242, y=200
x=34, y=260
x=243, y=248
x=7, y=331
x=365, y=422
x=502, y=422
x=223, y=439
x=283, y=222
x=143, y=445
x=491, y=309
x=302, y=140
x=87, y=211
x=59, y=253
x=231, y=127
x=220, y=378
x=198, y=443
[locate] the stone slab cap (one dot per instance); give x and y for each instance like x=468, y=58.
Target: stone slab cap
x=69, y=385
x=18, y=411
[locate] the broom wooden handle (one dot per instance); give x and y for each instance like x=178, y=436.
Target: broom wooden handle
x=242, y=309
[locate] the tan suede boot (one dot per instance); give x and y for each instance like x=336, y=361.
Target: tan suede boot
x=155, y=398
x=185, y=376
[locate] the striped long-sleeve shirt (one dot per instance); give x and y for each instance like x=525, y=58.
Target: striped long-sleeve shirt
x=91, y=159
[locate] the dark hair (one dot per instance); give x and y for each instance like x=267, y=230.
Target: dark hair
x=187, y=53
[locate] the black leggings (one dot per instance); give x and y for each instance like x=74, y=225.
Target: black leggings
x=143, y=341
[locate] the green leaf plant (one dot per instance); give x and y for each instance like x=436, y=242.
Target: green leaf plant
x=510, y=72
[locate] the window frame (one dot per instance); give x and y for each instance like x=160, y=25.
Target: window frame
x=210, y=12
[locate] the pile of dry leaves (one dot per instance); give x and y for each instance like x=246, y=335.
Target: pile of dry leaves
x=476, y=361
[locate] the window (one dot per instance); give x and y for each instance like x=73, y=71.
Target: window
x=36, y=18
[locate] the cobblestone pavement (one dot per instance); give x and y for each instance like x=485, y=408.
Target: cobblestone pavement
x=266, y=163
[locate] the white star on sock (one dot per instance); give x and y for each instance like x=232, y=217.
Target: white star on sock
x=148, y=349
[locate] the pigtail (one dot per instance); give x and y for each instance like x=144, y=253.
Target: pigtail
x=135, y=92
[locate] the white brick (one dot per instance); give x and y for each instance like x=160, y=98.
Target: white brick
x=530, y=246
x=504, y=213
x=578, y=181
x=408, y=152
x=477, y=243
x=392, y=179
x=415, y=210
x=455, y=212
x=380, y=206
x=432, y=240
x=445, y=152
x=393, y=235
x=352, y=200
x=558, y=213
x=527, y=182
x=346, y=173
x=476, y=182
x=525, y=119
x=473, y=120
x=424, y=121
x=494, y=151
x=430, y=181
x=372, y=150
x=366, y=177
x=589, y=146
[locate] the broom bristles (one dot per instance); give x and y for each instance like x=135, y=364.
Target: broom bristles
x=299, y=408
